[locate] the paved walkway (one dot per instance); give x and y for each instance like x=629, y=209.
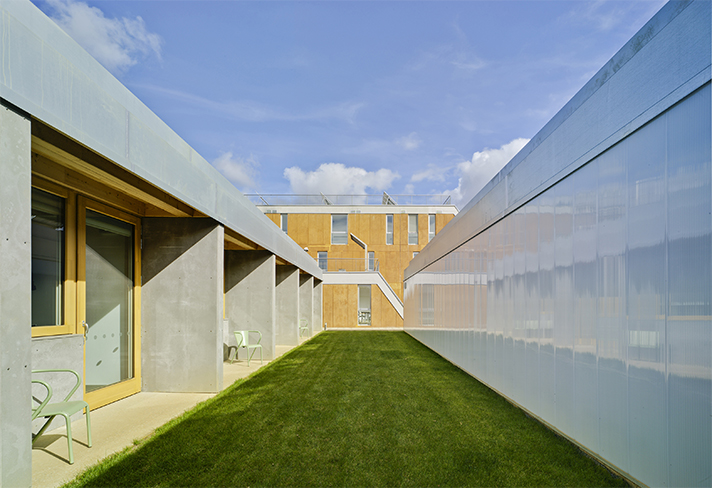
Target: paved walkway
x=116, y=426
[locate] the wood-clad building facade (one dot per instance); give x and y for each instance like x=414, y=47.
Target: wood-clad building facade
x=392, y=235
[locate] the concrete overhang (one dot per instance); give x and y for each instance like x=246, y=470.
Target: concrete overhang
x=49, y=76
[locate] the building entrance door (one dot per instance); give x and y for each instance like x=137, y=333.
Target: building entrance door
x=108, y=271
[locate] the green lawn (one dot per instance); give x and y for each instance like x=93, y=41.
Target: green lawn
x=353, y=409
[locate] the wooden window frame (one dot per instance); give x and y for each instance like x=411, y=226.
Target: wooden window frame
x=69, y=302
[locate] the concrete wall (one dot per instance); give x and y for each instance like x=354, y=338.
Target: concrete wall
x=287, y=305
x=15, y=299
x=58, y=352
x=306, y=300
x=250, y=297
x=182, y=305
x=317, y=323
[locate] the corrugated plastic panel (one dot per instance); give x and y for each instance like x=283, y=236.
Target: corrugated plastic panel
x=591, y=305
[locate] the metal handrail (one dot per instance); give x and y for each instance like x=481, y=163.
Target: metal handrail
x=347, y=264
x=271, y=199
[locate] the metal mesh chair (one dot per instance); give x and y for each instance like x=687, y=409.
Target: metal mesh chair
x=243, y=340
x=66, y=408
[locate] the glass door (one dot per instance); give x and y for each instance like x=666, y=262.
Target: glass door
x=108, y=265
x=364, y=304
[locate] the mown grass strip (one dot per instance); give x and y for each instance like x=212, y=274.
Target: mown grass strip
x=353, y=409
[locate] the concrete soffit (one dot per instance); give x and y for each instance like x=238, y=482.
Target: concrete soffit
x=63, y=161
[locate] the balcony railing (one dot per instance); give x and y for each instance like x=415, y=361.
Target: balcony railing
x=347, y=264
x=273, y=199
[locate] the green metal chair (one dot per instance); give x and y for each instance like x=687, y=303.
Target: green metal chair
x=243, y=340
x=66, y=408
x=303, y=327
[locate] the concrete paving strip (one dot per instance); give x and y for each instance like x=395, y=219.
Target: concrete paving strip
x=117, y=425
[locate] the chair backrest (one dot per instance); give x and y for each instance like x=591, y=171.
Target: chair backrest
x=39, y=403
x=36, y=411
x=242, y=338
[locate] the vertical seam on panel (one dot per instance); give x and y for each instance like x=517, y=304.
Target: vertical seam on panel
x=597, y=161
x=666, y=350
x=626, y=330
x=553, y=296
x=573, y=299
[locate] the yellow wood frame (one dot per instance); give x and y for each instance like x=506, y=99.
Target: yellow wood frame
x=70, y=253
x=128, y=387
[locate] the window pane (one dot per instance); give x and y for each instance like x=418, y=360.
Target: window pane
x=284, y=222
x=389, y=229
x=109, y=300
x=47, y=258
x=339, y=229
x=323, y=260
x=371, y=260
x=412, y=230
x=431, y=227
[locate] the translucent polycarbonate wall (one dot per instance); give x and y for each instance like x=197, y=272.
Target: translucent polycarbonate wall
x=590, y=305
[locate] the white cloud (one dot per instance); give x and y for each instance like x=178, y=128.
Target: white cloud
x=477, y=172
x=456, y=55
x=117, y=44
x=409, y=142
x=240, y=171
x=253, y=111
x=433, y=173
x=335, y=179
x=606, y=15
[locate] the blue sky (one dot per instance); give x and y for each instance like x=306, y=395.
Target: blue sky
x=354, y=97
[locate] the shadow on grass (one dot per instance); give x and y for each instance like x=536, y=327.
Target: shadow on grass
x=353, y=409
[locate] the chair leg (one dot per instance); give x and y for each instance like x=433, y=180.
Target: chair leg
x=88, y=428
x=261, y=362
x=69, y=437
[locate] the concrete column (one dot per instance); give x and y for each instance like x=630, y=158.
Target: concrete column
x=250, y=297
x=306, y=297
x=287, y=305
x=15, y=299
x=182, y=305
x=317, y=307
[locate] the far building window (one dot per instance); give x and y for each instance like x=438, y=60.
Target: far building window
x=323, y=260
x=371, y=260
x=389, y=229
x=415, y=253
x=412, y=230
x=431, y=227
x=283, y=219
x=339, y=229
